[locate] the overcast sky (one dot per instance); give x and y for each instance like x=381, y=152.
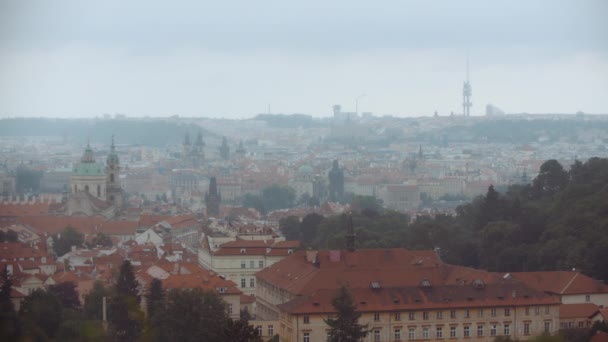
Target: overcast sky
x=234, y=58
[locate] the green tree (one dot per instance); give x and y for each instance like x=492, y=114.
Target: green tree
x=67, y=294
x=366, y=203
x=93, y=301
x=345, y=326
x=278, y=197
x=63, y=242
x=124, y=315
x=125, y=318
x=126, y=284
x=193, y=315
x=240, y=331
x=41, y=314
x=256, y=202
x=309, y=226
x=290, y=227
x=551, y=179
x=9, y=322
x=154, y=297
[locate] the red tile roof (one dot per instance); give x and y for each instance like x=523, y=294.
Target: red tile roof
x=561, y=282
x=24, y=209
x=582, y=310
x=86, y=225
x=381, y=278
x=17, y=250
x=599, y=336
x=257, y=247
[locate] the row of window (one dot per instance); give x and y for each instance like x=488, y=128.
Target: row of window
x=270, y=331
x=252, y=264
x=467, y=331
x=244, y=282
x=572, y=325
x=467, y=313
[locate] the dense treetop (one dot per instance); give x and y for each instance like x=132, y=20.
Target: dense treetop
x=558, y=222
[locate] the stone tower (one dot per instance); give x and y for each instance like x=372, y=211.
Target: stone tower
x=213, y=199
x=113, y=189
x=186, y=145
x=336, y=182
x=224, y=149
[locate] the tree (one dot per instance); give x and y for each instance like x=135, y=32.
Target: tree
x=278, y=197
x=67, y=294
x=154, y=297
x=41, y=313
x=9, y=323
x=240, y=331
x=551, y=178
x=193, y=315
x=345, y=326
x=93, y=301
x=290, y=227
x=308, y=227
x=125, y=317
x=102, y=240
x=69, y=237
x=360, y=203
x=126, y=284
x=256, y=202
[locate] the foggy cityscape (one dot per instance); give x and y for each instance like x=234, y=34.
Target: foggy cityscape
x=270, y=171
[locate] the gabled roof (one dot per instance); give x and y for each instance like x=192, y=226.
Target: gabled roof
x=582, y=310
x=392, y=278
x=561, y=282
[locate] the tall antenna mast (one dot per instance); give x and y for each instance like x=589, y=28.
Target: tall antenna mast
x=467, y=91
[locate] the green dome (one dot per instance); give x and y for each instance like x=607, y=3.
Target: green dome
x=305, y=169
x=88, y=169
x=88, y=166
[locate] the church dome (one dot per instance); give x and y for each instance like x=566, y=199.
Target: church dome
x=305, y=169
x=88, y=166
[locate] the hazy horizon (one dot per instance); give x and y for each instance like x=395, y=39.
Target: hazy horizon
x=233, y=59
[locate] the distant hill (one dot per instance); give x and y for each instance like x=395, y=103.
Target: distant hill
x=152, y=132
x=287, y=121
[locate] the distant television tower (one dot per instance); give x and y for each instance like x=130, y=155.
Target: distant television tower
x=467, y=91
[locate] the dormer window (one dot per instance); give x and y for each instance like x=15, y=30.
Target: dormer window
x=478, y=284
x=243, y=250
x=425, y=283
x=290, y=251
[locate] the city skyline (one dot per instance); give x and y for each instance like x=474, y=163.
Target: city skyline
x=69, y=59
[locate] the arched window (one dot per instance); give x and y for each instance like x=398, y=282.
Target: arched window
x=86, y=188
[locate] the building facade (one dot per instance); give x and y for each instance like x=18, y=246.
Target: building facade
x=402, y=295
